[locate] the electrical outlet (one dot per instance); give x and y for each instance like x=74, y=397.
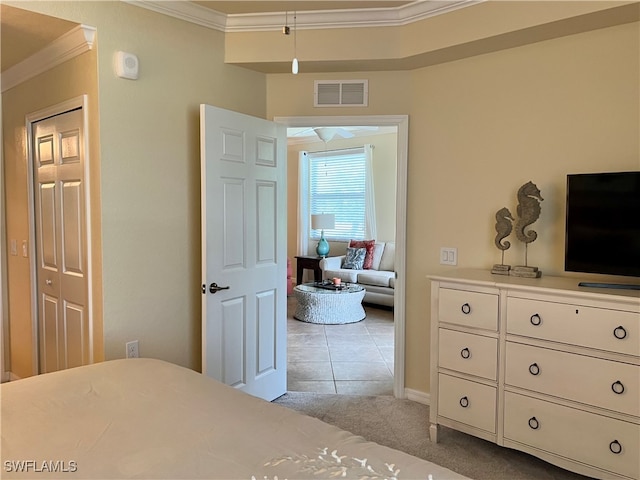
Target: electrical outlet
x=132, y=349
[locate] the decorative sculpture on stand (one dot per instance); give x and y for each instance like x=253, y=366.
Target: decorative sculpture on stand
x=504, y=226
x=529, y=199
x=528, y=211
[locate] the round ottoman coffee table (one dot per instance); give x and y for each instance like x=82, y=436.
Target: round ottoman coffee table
x=328, y=305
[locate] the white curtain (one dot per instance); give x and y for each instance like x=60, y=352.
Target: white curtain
x=370, y=205
x=303, y=203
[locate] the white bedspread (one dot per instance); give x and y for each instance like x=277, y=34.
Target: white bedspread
x=143, y=418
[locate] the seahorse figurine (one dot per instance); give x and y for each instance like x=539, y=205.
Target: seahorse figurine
x=529, y=199
x=504, y=221
x=504, y=226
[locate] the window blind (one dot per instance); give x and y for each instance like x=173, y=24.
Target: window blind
x=337, y=184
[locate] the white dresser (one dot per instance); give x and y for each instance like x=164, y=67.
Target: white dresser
x=539, y=365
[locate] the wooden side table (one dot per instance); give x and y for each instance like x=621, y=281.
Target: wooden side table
x=310, y=263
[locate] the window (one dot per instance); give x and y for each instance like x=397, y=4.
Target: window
x=338, y=185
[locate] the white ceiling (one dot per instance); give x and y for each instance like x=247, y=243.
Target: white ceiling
x=329, y=133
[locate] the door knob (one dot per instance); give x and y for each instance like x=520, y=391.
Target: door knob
x=213, y=288
x=48, y=282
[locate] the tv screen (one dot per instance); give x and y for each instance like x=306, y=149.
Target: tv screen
x=603, y=223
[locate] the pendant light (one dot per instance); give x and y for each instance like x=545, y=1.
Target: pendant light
x=294, y=63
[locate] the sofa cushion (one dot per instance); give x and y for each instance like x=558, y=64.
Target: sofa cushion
x=381, y=279
x=347, y=276
x=354, y=260
x=378, y=249
x=387, y=262
x=369, y=246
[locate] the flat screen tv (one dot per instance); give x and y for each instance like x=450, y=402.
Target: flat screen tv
x=603, y=223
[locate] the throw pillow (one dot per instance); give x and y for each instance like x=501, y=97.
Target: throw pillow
x=369, y=245
x=354, y=260
x=387, y=262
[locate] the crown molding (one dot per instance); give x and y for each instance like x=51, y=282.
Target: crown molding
x=185, y=10
x=370, y=17
x=305, y=20
x=73, y=43
x=415, y=11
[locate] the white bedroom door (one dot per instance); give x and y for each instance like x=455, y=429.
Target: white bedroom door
x=243, y=208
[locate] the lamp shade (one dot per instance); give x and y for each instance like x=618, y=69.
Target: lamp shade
x=323, y=221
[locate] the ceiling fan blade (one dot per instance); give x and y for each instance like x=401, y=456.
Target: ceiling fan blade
x=344, y=133
x=302, y=132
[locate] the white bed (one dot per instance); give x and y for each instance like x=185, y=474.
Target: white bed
x=143, y=418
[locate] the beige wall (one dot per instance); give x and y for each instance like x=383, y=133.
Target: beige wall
x=150, y=170
x=478, y=28
x=481, y=127
x=385, y=157
x=384, y=177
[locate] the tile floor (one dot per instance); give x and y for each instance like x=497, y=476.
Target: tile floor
x=350, y=359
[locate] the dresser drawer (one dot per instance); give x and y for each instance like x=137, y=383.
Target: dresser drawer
x=595, y=440
x=467, y=402
x=593, y=381
x=468, y=353
x=471, y=309
x=610, y=330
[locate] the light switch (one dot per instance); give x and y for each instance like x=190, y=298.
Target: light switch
x=448, y=256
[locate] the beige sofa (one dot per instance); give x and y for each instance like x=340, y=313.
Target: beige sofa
x=379, y=281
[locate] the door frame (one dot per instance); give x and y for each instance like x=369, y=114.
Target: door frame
x=4, y=305
x=402, y=123
x=31, y=118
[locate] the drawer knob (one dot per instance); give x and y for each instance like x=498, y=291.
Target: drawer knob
x=534, y=423
x=534, y=369
x=615, y=447
x=535, y=320
x=465, y=353
x=619, y=332
x=464, y=402
x=466, y=309
x=617, y=387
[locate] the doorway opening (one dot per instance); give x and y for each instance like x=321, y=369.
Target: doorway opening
x=382, y=320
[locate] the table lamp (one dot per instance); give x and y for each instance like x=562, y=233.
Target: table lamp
x=321, y=222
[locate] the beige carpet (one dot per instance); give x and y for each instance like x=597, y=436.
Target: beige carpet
x=404, y=425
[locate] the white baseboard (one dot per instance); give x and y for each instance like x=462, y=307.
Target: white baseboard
x=418, y=396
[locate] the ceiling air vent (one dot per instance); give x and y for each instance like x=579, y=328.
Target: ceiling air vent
x=341, y=93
